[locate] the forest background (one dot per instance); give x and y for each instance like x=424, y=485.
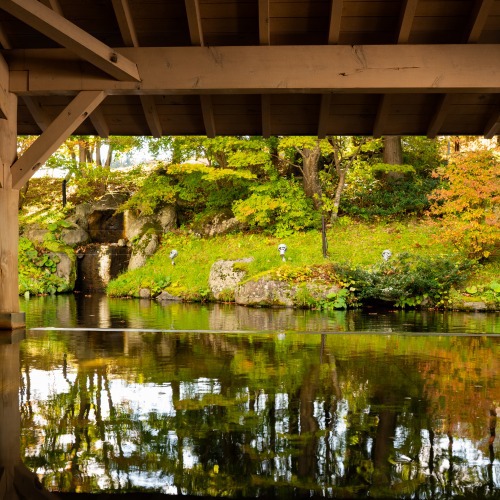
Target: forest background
x=336, y=203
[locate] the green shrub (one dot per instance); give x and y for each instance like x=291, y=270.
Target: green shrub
x=405, y=280
x=279, y=207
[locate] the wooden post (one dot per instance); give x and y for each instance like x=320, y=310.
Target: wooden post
x=10, y=317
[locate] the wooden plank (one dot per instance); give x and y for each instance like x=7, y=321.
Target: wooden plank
x=55, y=134
x=151, y=113
x=54, y=5
x=59, y=29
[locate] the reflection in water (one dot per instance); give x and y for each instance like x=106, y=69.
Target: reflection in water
x=270, y=412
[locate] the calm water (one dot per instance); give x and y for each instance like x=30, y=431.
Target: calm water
x=221, y=400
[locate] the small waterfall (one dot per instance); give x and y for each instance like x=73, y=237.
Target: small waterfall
x=107, y=256
x=98, y=264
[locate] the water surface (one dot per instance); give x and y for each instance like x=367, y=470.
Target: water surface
x=227, y=401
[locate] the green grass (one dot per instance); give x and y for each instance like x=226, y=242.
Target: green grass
x=356, y=243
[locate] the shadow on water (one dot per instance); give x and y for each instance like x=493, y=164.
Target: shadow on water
x=203, y=401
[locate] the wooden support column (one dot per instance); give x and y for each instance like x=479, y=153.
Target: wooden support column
x=10, y=317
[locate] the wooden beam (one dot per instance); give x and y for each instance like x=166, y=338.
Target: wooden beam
x=380, y=123
x=99, y=122
x=265, y=102
x=406, y=20
x=335, y=21
x=56, y=133
x=125, y=22
x=324, y=115
x=62, y=31
x=194, y=22
x=151, y=113
x=437, y=120
x=208, y=115
x=264, y=23
x=492, y=127
x=378, y=69
x=478, y=19
x=37, y=112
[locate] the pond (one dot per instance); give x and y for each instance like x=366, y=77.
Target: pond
x=218, y=400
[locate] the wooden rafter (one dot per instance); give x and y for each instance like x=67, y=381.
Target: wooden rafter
x=208, y=115
x=4, y=39
x=266, y=115
x=62, y=31
x=37, y=112
x=151, y=113
x=324, y=115
x=406, y=20
x=125, y=22
x=264, y=23
x=194, y=22
x=478, y=19
x=191, y=70
x=56, y=133
x=99, y=122
x=493, y=125
x=380, y=123
x=335, y=21
x=4, y=88
x=440, y=113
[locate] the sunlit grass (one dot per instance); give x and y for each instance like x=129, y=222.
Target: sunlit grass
x=356, y=243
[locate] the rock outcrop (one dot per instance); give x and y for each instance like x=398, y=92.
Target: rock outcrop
x=224, y=277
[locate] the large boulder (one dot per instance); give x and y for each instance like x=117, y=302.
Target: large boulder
x=265, y=292
x=224, y=277
x=136, y=225
x=269, y=292
x=74, y=237
x=143, y=249
x=65, y=269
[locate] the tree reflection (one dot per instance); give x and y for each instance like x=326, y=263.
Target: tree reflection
x=263, y=414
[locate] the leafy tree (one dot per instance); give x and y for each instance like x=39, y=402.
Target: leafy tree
x=468, y=202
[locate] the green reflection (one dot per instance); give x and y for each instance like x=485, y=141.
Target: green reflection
x=277, y=414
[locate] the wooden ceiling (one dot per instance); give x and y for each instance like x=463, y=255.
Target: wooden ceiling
x=257, y=67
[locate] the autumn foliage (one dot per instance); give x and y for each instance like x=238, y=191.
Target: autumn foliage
x=468, y=203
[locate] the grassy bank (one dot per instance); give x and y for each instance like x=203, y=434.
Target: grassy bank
x=357, y=244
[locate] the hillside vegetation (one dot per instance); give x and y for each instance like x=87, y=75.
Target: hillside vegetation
x=438, y=216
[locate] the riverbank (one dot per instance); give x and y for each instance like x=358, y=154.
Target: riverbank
x=421, y=272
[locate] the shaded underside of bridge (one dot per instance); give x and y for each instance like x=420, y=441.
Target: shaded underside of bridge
x=234, y=67
x=257, y=67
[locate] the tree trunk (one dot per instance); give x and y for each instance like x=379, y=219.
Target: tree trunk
x=338, y=194
x=393, y=151
x=98, y=158
x=109, y=157
x=312, y=187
